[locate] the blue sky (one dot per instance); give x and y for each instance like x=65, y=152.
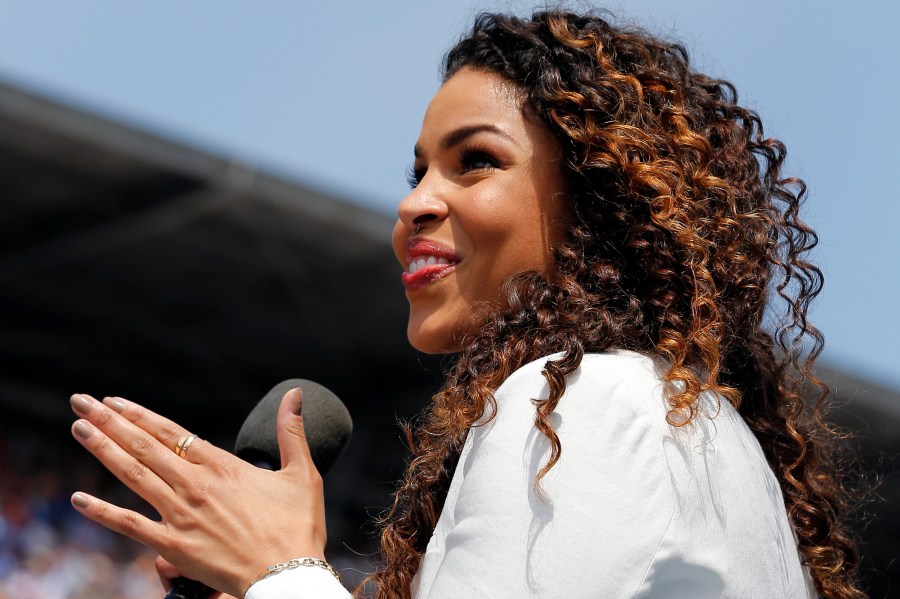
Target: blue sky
x=332, y=94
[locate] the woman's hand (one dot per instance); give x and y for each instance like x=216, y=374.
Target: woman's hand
x=223, y=520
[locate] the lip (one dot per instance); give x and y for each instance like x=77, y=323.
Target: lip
x=428, y=274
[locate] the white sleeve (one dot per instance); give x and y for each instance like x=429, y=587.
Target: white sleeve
x=634, y=509
x=605, y=506
x=298, y=583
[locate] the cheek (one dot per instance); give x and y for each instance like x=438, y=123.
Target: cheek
x=504, y=217
x=517, y=229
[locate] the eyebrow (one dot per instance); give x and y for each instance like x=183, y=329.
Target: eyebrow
x=458, y=136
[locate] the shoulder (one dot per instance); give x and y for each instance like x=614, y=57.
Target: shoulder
x=610, y=422
x=610, y=481
x=619, y=364
x=672, y=498
x=617, y=384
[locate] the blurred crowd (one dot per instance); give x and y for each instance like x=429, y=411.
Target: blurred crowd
x=47, y=549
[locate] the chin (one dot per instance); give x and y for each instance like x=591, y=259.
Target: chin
x=432, y=341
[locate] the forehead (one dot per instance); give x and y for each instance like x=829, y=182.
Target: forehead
x=471, y=95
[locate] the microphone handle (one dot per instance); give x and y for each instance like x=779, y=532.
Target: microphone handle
x=185, y=588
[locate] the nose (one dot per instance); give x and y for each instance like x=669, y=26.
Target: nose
x=422, y=206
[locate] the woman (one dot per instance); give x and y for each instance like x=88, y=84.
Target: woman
x=597, y=233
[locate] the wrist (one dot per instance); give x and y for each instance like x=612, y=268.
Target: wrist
x=292, y=564
x=255, y=567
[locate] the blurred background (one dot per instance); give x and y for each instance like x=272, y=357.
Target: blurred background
x=196, y=202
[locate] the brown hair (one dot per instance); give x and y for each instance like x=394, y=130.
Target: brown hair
x=684, y=237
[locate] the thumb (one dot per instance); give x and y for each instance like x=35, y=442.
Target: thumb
x=292, y=443
x=166, y=571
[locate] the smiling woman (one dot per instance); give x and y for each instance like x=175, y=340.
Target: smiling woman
x=486, y=204
x=596, y=232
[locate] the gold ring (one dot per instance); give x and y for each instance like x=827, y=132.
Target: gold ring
x=184, y=444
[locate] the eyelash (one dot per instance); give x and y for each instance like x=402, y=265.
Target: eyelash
x=413, y=176
x=472, y=155
x=469, y=157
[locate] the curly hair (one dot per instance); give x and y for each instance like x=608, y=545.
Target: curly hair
x=684, y=238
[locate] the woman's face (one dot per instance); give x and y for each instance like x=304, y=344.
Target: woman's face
x=486, y=204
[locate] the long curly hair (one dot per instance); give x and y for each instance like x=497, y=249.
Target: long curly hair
x=685, y=242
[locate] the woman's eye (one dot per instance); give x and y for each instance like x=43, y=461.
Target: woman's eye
x=414, y=176
x=477, y=160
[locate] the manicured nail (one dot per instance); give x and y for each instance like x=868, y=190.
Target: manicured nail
x=83, y=429
x=115, y=403
x=296, y=400
x=81, y=404
x=81, y=501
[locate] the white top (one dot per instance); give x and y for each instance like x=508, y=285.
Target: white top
x=635, y=508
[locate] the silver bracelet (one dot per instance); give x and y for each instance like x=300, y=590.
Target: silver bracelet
x=295, y=563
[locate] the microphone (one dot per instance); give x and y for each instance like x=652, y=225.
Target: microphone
x=327, y=424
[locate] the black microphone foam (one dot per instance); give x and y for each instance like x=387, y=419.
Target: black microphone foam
x=325, y=419
x=327, y=424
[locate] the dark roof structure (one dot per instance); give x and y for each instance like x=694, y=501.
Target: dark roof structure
x=133, y=265
x=136, y=266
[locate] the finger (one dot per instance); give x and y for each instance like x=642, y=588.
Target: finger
x=144, y=449
x=125, y=522
x=170, y=434
x=164, y=430
x=135, y=474
x=166, y=571
x=292, y=441
x=127, y=424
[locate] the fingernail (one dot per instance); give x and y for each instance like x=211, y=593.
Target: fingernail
x=82, y=429
x=296, y=400
x=81, y=404
x=115, y=403
x=79, y=500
